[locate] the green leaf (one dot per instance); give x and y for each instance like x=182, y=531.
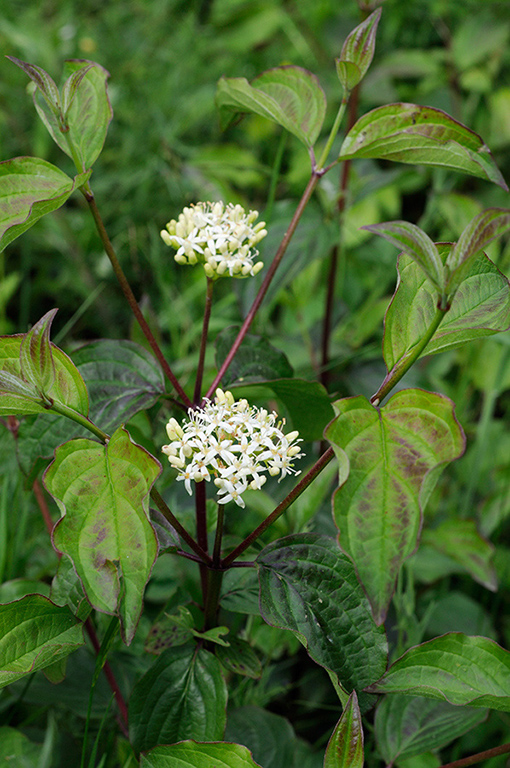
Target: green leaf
x=345, y=747
x=240, y=591
x=481, y=307
x=308, y=585
x=479, y=232
x=182, y=696
x=70, y=87
x=269, y=737
x=66, y=589
x=16, y=749
x=255, y=358
x=289, y=96
x=36, y=358
x=460, y=540
x=35, y=633
x=189, y=753
x=122, y=378
x=239, y=657
x=29, y=189
x=358, y=52
x=462, y=670
x=68, y=388
x=102, y=492
x=406, y=726
x=409, y=133
x=389, y=460
x=87, y=112
x=293, y=394
x=42, y=80
x=417, y=244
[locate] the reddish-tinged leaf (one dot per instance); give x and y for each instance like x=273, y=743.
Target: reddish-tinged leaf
x=389, y=460
x=36, y=357
x=68, y=388
x=41, y=78
x=29, y=189
x=417, y=244
x=345, y=747
x=480, y=307
x=289, y=96
x=102, y=491
x=479, y=232
x=421, y=135
x=358, y=52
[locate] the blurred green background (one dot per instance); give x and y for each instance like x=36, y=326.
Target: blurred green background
x=165, y=149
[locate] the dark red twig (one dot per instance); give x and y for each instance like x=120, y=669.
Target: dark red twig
x=504, y=749
x=112, y=682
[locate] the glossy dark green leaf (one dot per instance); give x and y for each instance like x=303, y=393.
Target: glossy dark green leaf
x=122, y=379
x=36, y=357
x=289, y=96
x=417, y=244
x=193, y=755
x=345, y=747
x=239, y=657
x=389, y=460
x=406, y=726
x=68, y=387
x=269, y=737
x=182, y=696
x=256, y=358
x=460, y=540
x=29, y=189
x=421, y=135
x=306, y=402
x=102, y=491
x=308, y=585
x=240, y=591
x=462, y=670
x=34, y=632
x=481, y=307
x=358, y=52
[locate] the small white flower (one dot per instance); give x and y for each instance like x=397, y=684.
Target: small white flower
x=221, y=238
x=232, y=444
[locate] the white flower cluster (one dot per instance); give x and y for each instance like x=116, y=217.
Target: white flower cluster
x=222, y=239
x=232, y=444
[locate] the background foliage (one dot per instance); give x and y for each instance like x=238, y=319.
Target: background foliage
x=165, y=149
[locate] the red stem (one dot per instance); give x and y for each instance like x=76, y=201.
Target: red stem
x=280, y=509
x=504, y=749
x=333, y=266
x=203, y=341
x=123, y=718
x=314, y=179
x=201, y=519
x=112, y=682
x=128, y=293
x=41, y=501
